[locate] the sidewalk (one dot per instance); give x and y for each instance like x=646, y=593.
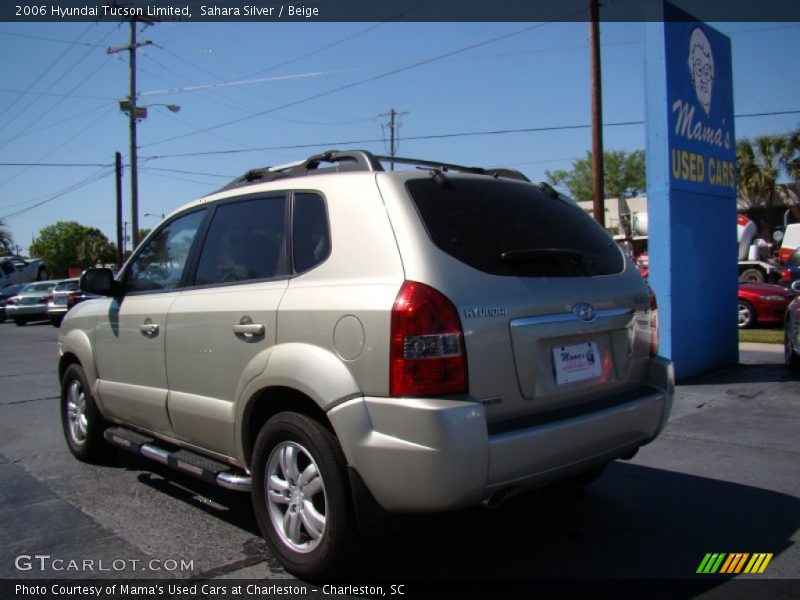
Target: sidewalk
x=752, y=353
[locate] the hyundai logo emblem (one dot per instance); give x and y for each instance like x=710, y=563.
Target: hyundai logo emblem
x=584, y=312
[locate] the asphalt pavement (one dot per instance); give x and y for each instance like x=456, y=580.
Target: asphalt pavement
x=723, y=477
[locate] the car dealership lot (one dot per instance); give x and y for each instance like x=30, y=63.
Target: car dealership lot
x=722, y=478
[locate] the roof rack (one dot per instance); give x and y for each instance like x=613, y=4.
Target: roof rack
x=335, y=161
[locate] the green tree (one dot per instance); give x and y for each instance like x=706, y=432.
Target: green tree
x=624, y=174
x=760, y=164
x=6, y=241
x=69, y=244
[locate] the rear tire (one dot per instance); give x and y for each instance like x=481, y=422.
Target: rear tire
x=80, y=418
x=790, y=357
x=301, y=496
x=756, y=275
x=747, y=315
x=19, y=322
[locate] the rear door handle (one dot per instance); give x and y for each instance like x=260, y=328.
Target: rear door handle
x=249, y=329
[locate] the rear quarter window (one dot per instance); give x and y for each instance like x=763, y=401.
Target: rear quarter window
x=513, y=229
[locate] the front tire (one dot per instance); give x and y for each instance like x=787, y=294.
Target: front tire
x=300, y=495
x=80, y=418
x=747, y=315
x=19, y=322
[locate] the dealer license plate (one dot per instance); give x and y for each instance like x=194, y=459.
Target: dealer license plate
x=576, y=362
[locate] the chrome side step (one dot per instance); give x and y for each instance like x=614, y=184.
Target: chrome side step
x=182, y=460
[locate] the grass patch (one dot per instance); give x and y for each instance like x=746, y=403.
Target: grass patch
x=762, y=336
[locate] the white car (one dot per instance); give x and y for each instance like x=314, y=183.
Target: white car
x=16, y=269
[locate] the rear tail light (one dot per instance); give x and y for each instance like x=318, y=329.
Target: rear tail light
x=427, y=355
x=786, y=274
x=653, y=324
x=12, y=300
x=45, y=299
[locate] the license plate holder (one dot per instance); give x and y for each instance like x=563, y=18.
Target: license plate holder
x=573, y=363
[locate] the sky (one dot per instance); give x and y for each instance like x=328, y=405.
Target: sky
x=257, y=94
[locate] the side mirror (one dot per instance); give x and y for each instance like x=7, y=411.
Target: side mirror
x=99, y=281
x=777, y=235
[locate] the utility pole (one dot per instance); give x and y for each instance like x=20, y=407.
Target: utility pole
x=392, y=114
x=120, y=249
x=598, y=183
x=133, y=114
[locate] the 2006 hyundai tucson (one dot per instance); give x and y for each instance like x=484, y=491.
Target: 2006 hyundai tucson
x=337, y=338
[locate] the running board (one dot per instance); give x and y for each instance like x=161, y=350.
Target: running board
x=185, y=461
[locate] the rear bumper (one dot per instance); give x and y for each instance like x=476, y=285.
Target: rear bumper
x=26, y=311
x=434, y=454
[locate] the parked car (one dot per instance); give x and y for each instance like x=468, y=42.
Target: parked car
x=6, y=293
x=790, y=272
x=30, y=304
x=791, y=335
x=16, y=269
x=344, y=340
x=79, y=296
x=57, y=307
x=762, y=303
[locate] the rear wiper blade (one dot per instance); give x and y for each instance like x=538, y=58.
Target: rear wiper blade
x=532, y=254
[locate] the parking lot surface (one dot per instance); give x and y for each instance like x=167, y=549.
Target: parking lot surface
x=723, y=477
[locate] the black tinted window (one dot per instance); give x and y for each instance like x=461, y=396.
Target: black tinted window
x=246, y=240
x=160, y=263
x=509, y=228
x=310, y=236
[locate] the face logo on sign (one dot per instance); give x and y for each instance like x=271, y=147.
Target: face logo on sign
x=701, y=66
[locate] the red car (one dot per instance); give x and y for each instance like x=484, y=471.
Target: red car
x=762, y=303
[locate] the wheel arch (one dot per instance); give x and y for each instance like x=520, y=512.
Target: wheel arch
x=76, y=348
x=298, y=377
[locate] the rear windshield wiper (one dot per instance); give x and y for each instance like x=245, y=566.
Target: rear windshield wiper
x=533, y=254
x=552, y=256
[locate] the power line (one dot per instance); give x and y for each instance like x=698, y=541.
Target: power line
x=48, y=39
x=29, y=106
x=75, y=96
x=21, y=164
x=97, y=176
x=39, y=78
x=191, y=172
x=369, y=79
x=28, y=132
x=441, y=136
x=64, y=143
x=214, y=89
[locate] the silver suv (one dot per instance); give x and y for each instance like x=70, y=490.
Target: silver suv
x=345, y=340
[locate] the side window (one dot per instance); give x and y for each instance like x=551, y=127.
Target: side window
x=310, y=233
x=246, y=240
x=160, y=263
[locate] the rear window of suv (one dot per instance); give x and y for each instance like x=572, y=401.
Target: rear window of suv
x=513, y=229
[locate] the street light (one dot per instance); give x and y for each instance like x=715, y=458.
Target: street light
x=159, y=215
x=141, y=110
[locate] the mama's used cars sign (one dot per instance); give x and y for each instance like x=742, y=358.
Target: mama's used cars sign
x=702, y=154
x=691, y=189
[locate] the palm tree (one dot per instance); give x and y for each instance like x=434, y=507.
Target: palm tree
x=6, y=241
x=759, y=164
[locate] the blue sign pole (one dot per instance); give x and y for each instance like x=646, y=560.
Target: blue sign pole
x=691, y=189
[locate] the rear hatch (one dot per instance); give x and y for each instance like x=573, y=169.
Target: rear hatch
x=555, y=319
